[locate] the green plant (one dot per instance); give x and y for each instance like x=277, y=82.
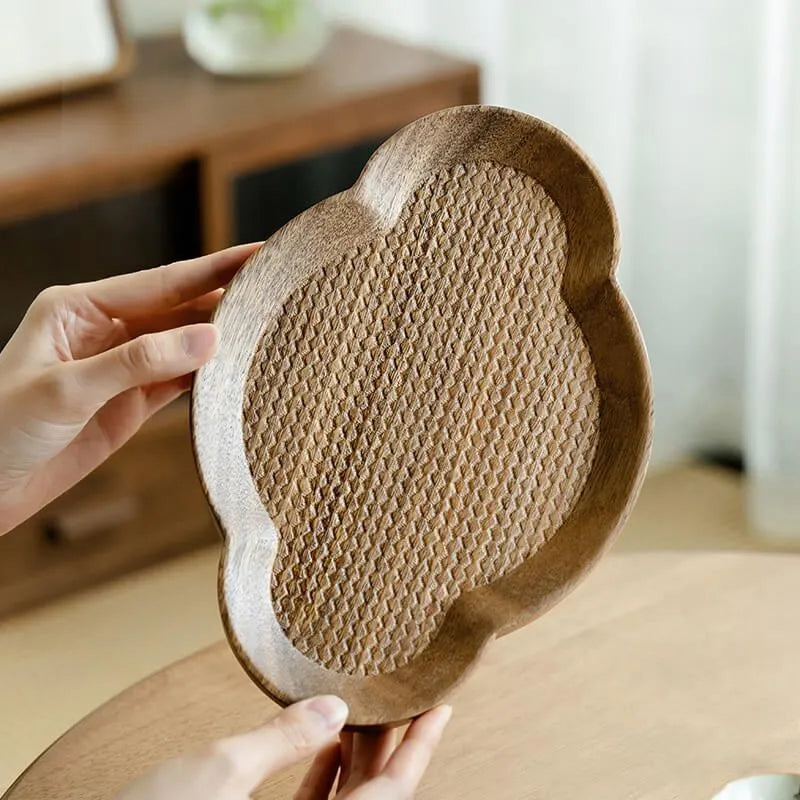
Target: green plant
x=278, y=16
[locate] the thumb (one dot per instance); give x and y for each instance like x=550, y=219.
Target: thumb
x=297, y=732
x=147, y=359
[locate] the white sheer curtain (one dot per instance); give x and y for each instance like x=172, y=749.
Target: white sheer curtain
x=773, y=374
x=663, y=97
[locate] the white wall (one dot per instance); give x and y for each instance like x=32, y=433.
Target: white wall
x=693, y=164
x=662, y=96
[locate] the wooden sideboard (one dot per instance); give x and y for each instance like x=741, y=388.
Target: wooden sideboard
x=170, y=163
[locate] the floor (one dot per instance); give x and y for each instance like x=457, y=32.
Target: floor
x=59, y=662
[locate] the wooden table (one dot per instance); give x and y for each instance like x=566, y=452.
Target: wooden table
x=664, y=676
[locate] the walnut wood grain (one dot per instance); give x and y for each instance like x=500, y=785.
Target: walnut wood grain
x=429, y=415
x=664, y=676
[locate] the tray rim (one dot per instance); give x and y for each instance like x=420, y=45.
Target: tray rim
x=483, y=613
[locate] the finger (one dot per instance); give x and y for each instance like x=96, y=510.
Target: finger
x=370, y=753
x=346, y=755
x=318, y=781
x=106, y=432
x=162, y=288
x=298, y=732
x=408, y=763
x=191, y=313
x=160, y=395
x=117, y=421
x=151, y=358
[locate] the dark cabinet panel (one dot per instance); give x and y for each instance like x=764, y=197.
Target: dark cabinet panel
x=268, y=199
x=139, y=229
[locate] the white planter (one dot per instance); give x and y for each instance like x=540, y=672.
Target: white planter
x=762, y=787
x=255, y=37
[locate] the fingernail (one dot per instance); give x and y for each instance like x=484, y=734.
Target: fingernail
x=440, y=717
x=332, y=711
x=445, y=712
x=199, y=341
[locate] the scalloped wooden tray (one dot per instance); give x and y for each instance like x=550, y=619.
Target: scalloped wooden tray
x=429, y=415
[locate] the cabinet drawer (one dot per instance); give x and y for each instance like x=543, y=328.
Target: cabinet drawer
x=143, y=505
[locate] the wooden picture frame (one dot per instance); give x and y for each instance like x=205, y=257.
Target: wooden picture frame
x=92, y=52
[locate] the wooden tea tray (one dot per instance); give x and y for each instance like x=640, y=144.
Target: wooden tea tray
x=429, y=414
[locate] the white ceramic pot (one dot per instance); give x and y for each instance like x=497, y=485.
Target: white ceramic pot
x=762, y=787
x=255, y=37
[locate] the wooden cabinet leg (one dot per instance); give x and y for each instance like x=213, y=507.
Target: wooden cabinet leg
x=216, y=205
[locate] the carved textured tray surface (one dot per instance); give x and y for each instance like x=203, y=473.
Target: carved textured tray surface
x=408, y=434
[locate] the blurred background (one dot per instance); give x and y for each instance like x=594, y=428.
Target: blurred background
x=678, y=105
x=139, y=132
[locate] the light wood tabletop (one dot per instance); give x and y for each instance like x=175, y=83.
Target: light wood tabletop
x=663, y=676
